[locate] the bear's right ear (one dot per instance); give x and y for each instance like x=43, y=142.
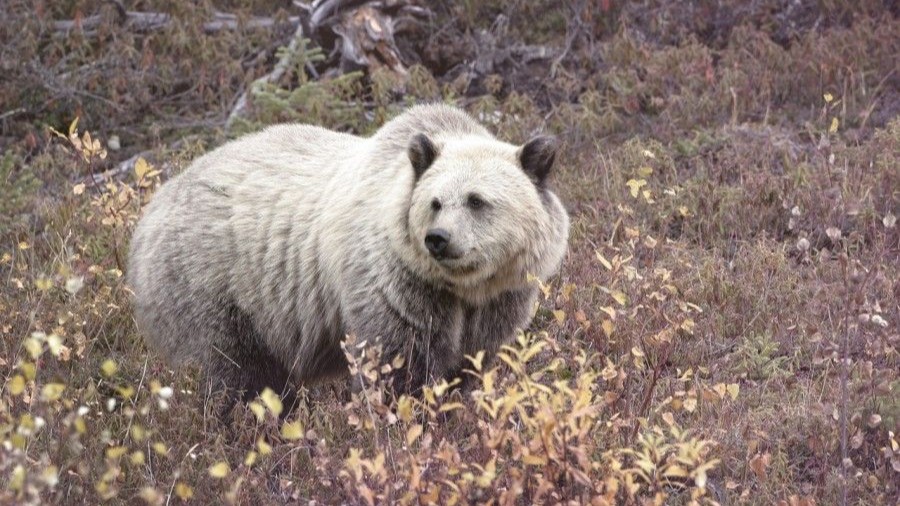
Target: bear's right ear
x=422, y=153
x=537, y=156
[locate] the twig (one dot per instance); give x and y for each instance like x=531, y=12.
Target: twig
x=844, y=379
x=11, y=112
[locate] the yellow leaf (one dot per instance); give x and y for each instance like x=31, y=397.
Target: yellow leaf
x=292, y=430
x=263, y=447
x=52, y=391
x=428, y=393
x=183, y=491
x=125, y=391
x=138, y=433
x=413, y=433
x=28, y=369
x=109, y=367
x=219, y=470
x=73, y=126
x=271, y=401
x=675, y=471
x=721, y=389
x=834, y=125
x=43, y=283
x=141, y=168
x=441, y=388
x=637, y=352
x=17, y=478
x=450, y=407
x=149, y=494
x=257, y=410
x=668, y=418
x=16, y=385
x=619, y=297
x=54, y=343
x=607, y=327
x=700, y=478
x=828, y=97
x=566, y=291
x=405, y=405
x=115, y=452
x=609, y=372
x=733, y=390
x=476, y=360
x=50, y=475
x=78, y=189
x=487, y=381
x=690, y=404
x=33, y=346
x=560, y=316
x=635, y=185
x=534, y=460
x=490, y=472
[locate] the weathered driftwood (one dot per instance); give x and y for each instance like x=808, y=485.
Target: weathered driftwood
x=361, y=33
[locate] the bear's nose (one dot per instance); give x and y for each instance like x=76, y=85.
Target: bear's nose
x=436, y=240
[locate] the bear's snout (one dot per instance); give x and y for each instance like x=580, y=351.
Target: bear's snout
x=436, y=241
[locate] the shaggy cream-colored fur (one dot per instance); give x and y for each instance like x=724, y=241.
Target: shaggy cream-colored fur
x=266, y=252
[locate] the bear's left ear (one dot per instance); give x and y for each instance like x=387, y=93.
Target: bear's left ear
x=537, y=156
x=422, y=153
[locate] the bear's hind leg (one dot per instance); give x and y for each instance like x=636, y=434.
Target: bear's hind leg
x=241, y=367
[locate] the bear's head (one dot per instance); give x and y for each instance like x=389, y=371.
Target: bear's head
x=481, y=215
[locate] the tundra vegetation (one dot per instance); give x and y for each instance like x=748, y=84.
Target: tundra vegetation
x=724, y=328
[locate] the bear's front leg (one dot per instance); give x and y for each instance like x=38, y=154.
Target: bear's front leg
x=421, y=325
x=489, y=326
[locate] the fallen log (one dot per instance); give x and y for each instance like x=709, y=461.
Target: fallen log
x=149, y=21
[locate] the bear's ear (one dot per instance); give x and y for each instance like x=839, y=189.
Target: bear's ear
x=422, y=153
x=537, y=156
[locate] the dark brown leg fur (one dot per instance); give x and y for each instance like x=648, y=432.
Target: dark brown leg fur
x=242, y=367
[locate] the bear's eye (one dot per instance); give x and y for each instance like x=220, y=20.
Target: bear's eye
x=475, y=202
x=435, y=205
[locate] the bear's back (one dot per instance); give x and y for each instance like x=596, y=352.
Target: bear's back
x=232, y=226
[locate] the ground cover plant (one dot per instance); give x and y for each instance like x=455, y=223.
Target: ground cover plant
x=724, y=328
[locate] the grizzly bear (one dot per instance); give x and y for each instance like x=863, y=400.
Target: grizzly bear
x=261, y=257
